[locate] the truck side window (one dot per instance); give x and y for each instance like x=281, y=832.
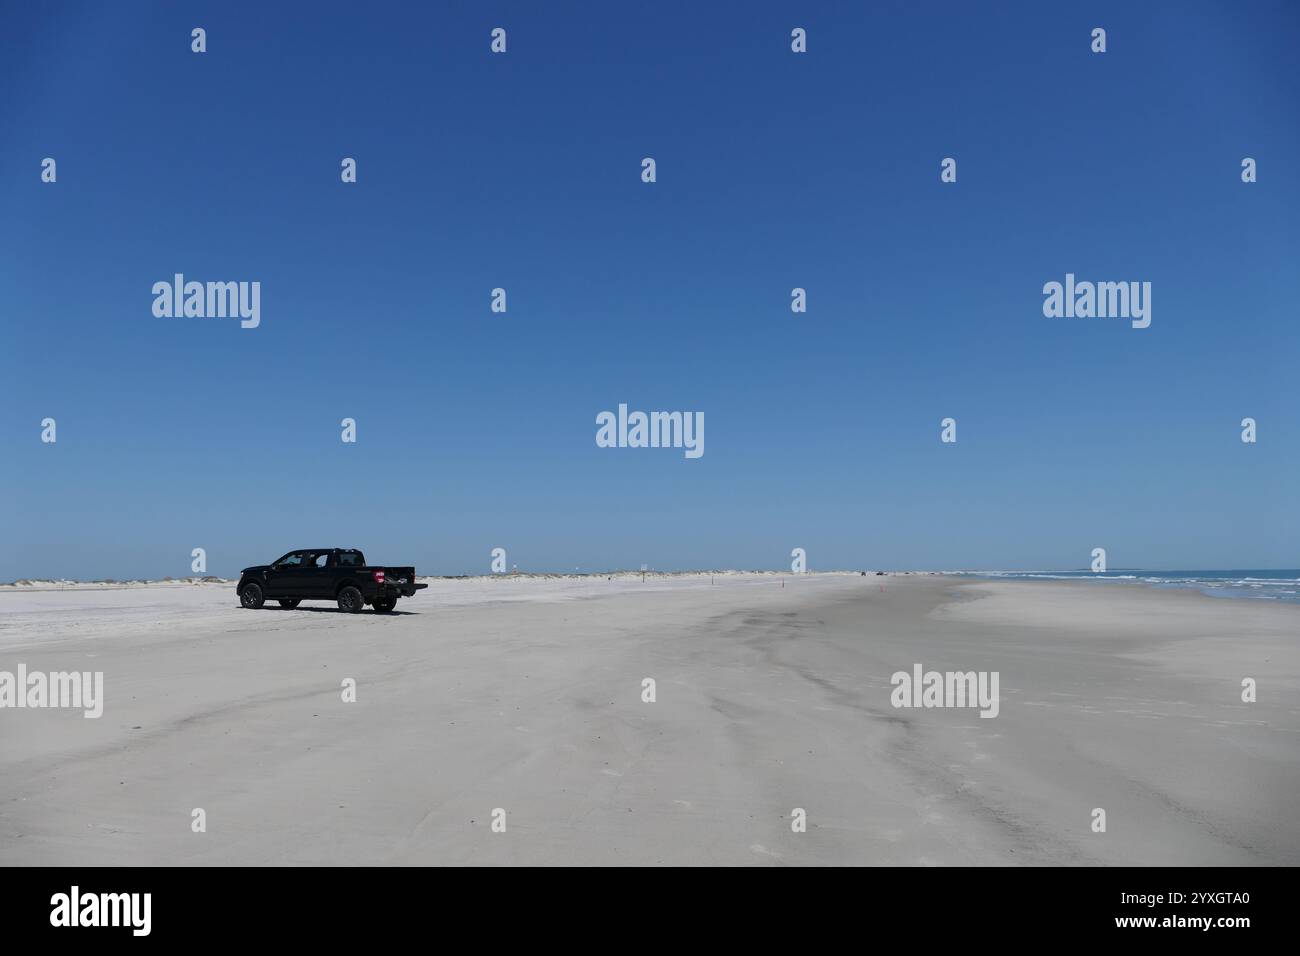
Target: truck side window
x=349, y=559
x=320, y=560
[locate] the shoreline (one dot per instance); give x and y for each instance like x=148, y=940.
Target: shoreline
x=1233, y=585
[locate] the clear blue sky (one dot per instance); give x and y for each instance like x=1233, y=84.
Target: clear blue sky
x=775, y=170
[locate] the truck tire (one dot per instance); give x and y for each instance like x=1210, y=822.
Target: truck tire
x=252, y=597
x=350, y=600
x=385, y=604
x=290, y=602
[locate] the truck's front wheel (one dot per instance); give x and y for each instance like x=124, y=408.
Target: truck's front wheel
x=251, y=597
x=350, y=600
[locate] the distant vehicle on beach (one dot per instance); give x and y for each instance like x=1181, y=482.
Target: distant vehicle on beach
x=326, y=574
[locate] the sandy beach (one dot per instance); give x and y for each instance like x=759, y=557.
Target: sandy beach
x=772, y=692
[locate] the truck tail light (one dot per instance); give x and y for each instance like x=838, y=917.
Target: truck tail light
x=379, y=577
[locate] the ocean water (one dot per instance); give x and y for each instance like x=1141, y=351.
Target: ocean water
x=1267, y=585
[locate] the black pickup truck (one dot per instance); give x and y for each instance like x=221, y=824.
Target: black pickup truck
x=326, y=574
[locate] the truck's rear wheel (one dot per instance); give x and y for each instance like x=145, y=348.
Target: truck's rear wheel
x=385, y=604
x=290, y=602
x=350, y=600
x=251, y=597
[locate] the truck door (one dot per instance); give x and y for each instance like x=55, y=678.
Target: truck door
x=284, y=579
x=318, y=576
